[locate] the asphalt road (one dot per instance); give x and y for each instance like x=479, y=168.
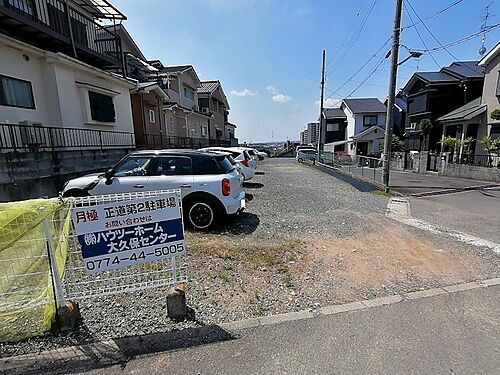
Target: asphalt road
x=474, y=212
x=456, y=333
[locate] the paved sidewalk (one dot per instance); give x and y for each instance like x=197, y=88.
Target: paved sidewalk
x=457, y=333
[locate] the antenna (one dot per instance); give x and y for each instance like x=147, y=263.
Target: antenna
x=484, y=29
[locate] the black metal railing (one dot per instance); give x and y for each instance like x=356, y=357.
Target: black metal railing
x=23, y=138
x=169, y=142
x=42, y=138
x=66, y=21
x=476, y=160
x=363, y=166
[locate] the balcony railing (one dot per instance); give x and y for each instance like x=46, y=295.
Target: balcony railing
x=75, y=33
x=23, y=138
x=26, y=138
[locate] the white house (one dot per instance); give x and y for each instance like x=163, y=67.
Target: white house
x=360, y=129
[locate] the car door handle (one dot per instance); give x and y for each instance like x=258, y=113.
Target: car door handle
x=185, y=186
x=202, y=185
x=138, y=186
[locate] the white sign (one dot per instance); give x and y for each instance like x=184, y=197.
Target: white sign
x=130, y=232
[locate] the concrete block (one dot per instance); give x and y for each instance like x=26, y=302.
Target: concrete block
x=461, y=287
x=425, y=293
x=176, y=302
x=335, y=309
x=491, y=282
x=241, y=324
x=287, y=317
x=383, y=301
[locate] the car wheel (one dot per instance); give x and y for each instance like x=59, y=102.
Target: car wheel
x=300, y=160
x=200, y=215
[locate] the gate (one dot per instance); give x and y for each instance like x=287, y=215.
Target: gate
x=432, y=162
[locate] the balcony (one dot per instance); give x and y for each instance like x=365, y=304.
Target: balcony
x=62, y=26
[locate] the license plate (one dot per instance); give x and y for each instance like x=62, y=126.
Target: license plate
x=243, y=203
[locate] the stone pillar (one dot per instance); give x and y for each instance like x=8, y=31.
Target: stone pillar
x=443, y=162
x=424, y=155
x=176, y=302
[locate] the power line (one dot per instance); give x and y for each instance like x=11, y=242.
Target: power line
x=420, y=36
x=366, y=78
x=360, y=69
x=354, y=39
x=348, y=32
x=449, y=6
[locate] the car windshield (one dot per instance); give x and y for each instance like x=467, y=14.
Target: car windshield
x=133, y=166
x=225, y=164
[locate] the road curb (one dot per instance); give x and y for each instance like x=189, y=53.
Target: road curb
x=109, y=351
x=453, y=191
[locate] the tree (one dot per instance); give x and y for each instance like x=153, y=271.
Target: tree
x=452, y=145
x=495, y=115
x=397, y=145
x=426, y=125
x=489, y=147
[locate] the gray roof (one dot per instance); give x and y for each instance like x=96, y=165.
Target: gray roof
x=176, y=68
x=365, y=105
x=334, y=113
x=436, y=77
x=208, y=87
x=465, y=69
x=466, y=112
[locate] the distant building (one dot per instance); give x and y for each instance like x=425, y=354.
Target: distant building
x=312, y=132
x=304, y=138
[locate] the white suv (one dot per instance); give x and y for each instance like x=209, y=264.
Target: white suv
x=210, y=185
x=246, y=162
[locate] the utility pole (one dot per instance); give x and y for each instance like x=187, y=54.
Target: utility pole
x=320, y=125
x=392, y=93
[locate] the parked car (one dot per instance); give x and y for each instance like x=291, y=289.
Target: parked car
x=241, y=156
x=306, y=154
x=210, y=184
x=261, y=155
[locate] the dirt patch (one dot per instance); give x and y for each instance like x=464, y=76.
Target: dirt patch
x=233, y=278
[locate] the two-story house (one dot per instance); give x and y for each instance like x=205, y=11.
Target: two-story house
x=182, y=113
x=335, y=123
x=365, y=124
x=473, y=118
x=434, y=94
x=60, y=68
x=213, y=102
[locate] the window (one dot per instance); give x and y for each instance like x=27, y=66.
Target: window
x=370, y=120
x=134, y=166
x=498, y=85
x=206, y=166
x=332, y=127
x=152, y=116
x=204, y=131
x=170, y=126
x=189, y=93
x=173, y=166
x=16, y=93
x=102, y=108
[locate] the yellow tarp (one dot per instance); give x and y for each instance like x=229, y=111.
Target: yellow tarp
x=26, y=294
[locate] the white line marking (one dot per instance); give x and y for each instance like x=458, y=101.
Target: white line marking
x=397, y=212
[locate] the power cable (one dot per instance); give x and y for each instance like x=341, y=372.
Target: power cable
x=449, y=6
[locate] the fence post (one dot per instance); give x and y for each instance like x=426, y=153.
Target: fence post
x=100, y=139
x=54, y=272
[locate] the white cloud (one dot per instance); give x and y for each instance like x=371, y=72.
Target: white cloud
x=278, y=96
x=281, y=98
x=329, y=103
x=245, y=92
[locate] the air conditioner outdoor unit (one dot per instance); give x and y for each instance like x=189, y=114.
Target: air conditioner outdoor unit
x=205, y=110
x=195, y=108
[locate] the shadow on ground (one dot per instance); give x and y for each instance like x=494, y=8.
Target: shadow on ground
x=357, y=184
x=253, y=185
x=258, y=173
x=245, y=223
x=117, y=352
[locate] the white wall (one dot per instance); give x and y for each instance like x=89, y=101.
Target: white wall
x=359, y=121
x=59, y=99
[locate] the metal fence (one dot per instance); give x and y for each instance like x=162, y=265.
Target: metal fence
x=358, y=165
x=15, y=137
x=477, y=160
x=162, y=273
x=41, y=264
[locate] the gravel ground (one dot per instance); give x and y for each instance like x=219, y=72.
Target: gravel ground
x=306, y=239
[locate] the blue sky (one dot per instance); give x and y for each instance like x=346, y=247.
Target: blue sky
x=267, y=53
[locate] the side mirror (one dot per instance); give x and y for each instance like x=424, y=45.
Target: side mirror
x=108, y=175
